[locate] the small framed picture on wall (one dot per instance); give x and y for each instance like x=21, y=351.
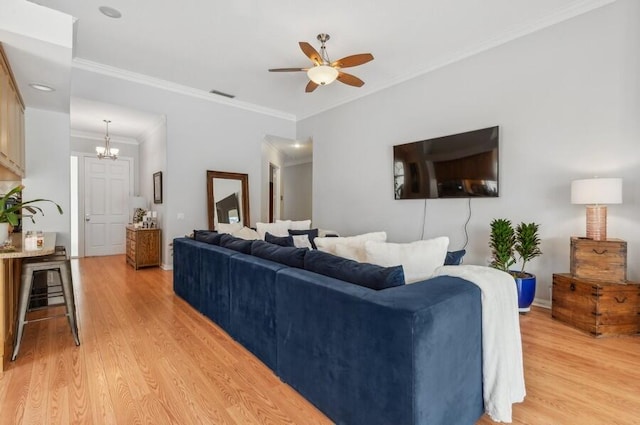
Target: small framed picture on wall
x=157, y=187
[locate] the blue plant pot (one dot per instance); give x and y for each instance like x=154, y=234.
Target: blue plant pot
x=526, y=292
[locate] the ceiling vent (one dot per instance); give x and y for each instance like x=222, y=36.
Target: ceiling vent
x=219, y=93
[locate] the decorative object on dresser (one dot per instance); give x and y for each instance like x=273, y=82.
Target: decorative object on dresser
x=596, y=194
x=600, y=307
x=505, y=243
x=143, y=247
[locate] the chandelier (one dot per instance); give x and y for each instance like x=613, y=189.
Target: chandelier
x=107, y=151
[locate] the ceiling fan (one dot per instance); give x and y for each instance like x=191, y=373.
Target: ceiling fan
x=324, y=71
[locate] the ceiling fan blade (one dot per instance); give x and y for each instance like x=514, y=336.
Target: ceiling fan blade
x=350, y=80
x=310, y=52
x=311, y=86
x=353, y=60
x=287, y=69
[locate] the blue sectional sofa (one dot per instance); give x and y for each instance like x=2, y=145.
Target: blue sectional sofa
x=408, y=354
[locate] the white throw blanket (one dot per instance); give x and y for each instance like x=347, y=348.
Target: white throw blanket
x=502, y=368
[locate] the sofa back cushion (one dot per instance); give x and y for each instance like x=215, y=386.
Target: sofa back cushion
x=362, y=274
x=279, y=240
x=236, y=244
x=287, y=255
x=208, y=236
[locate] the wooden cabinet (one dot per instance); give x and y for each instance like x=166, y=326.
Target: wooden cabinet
x=599, y=307
x=143, y=247
x=601, y=260
x=9, y=284
x=11, y=124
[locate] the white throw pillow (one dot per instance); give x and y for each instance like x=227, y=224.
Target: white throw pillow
x=418, y=259
x=229, y=227
x=301, y=241
x=246, y=233
x=351, y=247
x=296, y=225
x=276, y=229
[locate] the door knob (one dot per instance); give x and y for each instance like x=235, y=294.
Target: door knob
x=87, y=218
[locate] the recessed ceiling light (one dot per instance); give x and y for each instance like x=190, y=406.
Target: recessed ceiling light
x=41, y=87
x=110, y=12
x=297, y=145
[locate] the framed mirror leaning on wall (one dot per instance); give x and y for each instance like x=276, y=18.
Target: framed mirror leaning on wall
x=227, y=198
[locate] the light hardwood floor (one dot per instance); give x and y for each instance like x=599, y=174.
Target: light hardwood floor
x=148, y=358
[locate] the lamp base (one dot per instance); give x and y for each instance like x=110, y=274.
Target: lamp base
x=597, y=222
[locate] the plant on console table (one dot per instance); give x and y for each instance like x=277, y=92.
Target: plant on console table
x=505, y=243
x=9, y=215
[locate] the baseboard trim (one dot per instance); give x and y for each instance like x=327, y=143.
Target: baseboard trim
x=542, y=303
x=164, y=266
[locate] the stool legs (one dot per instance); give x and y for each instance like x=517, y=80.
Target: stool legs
x=23, y=304
x=69, y=299
x=63, y=268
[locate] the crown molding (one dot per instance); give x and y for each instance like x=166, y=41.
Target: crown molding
x=110, y=71
x=100, y=137
x=565, y=14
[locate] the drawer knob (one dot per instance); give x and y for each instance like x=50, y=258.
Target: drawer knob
x=620, y=301
x=572, y=287
x=604, y=251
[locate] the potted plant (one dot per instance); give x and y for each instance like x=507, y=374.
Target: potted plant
x=10, y=214
x=505, y=243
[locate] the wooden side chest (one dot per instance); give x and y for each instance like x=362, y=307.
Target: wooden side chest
x=600, y=260
x=598, y=307
x=143, y=247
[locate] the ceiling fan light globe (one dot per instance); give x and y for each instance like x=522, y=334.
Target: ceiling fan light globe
x=322, y=74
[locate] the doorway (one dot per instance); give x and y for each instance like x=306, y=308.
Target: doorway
x=101, y=211
x=275, y=197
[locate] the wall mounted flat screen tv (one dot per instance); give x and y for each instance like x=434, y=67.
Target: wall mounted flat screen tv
x=461, y=165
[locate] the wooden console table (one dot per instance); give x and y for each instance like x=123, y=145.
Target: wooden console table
x=10, y=272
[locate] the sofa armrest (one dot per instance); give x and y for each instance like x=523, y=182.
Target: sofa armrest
x=404, y=355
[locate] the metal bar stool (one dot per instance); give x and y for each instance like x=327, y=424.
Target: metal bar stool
x=30, y=299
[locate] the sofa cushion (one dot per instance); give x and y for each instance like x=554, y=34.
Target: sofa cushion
x=351, y=247
x=247, y=234
x=454, y=258
x=287, y=255
x=236, y=244
x=209, y=236
x=296, y=225
x=279, y=240
x=419, y=259
x=229, y=227
x=311, y=235
x=276, y=229
x=362, y=274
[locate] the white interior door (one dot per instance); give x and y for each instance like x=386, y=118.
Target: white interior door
x=106, y=196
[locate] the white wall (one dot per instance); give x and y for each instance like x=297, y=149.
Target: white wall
x=47, y=171
x=567, y=100
x=153, y=158
x=297, y=183
x=200, y=135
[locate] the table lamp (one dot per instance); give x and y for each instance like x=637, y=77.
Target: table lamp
x=596, y=194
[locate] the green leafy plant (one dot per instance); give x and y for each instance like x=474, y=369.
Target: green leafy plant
x=12, y=213
x=527, y=242
x=502, y=241
x=505, y=243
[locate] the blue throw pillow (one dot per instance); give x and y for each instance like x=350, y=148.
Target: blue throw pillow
x=311, y=234
x=236, y=244
x=278, y=240
x=287, y=255
x=454, y=258
x=363, y=274
x=209, y=236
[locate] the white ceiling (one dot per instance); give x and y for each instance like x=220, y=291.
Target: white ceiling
x=229, y=45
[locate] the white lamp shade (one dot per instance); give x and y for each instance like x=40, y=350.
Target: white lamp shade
x=596, y=191
x=138, y=202
x=322, y=74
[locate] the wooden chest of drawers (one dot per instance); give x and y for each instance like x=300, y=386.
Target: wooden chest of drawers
x=600, y=260
x=143, y=247
x=598, y=307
